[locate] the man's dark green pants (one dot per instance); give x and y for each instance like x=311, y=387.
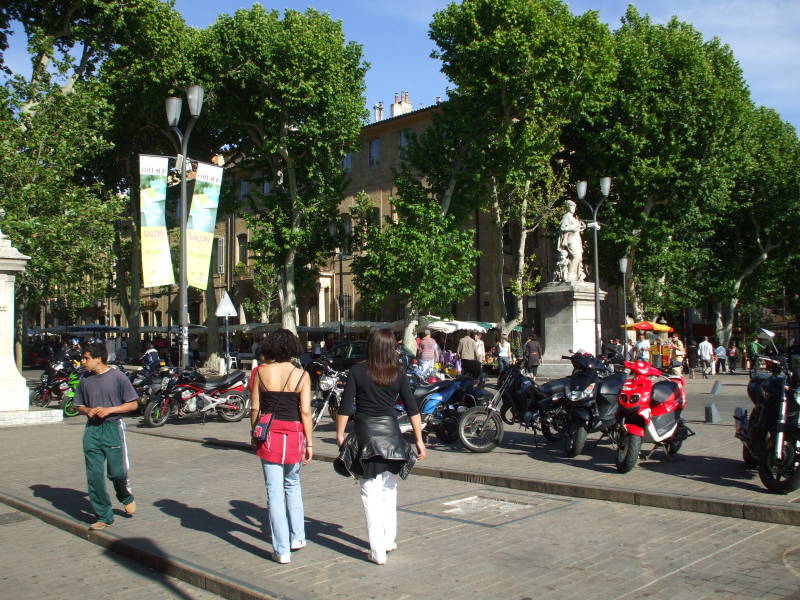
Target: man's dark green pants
x=105, y=450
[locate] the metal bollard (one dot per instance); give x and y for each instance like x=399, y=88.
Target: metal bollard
x=712, y=414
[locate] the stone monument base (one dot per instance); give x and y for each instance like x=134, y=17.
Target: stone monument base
x=33, y=416
x=567, y=309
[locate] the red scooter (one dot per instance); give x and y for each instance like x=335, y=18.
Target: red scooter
x=650, y=411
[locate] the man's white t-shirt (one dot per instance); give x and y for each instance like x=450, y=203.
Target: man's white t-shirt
x=705, y=350
x=643, y=350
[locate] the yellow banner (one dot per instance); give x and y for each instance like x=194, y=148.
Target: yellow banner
x=201, y=224
x=156, y=260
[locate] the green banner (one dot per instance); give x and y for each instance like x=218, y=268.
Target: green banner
x=201, y=224
x=156, y=261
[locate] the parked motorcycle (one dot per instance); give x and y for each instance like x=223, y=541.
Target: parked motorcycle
x=591, y=406
x=440, y=405
x=147, y=383
x=54, y=384
x=189, y=394
x=327, y=394
x=771, y=433
x=649, y=411
x=540, y=407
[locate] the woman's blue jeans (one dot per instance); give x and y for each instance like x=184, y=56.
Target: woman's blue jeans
x=502, y=363
x=285, y=505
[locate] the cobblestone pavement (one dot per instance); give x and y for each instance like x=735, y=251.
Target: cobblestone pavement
x=40, y=561
x=205, y=506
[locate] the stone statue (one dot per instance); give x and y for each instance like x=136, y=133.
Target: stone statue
x=570, y=247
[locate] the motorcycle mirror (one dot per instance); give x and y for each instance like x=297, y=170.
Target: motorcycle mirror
x=766, y=334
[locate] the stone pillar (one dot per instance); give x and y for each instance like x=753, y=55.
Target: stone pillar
x=567, y=309
x=13, y=390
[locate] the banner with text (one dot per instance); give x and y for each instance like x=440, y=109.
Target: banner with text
x=156, y=261
x=201, y=223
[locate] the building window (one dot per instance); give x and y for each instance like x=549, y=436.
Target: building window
x=347, y=306
x=405, y=138
x=266, y=188
x=241, y=242
x=375, y=152
x=145, y=318
x=244, y=188
x=347, y=162
x=218, y=258
x=157, y=319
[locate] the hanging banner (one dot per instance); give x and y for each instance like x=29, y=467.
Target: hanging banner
x=156, y=261
x=201, y=224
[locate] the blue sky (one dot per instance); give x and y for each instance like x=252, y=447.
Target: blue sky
x=764, y=36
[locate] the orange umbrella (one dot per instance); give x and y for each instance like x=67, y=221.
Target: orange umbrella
x=647, y=326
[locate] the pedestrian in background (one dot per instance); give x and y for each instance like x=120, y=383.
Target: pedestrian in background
x=376, y=453
x=533, y=355
x=733, y=354
x=678, y=355
x=721, y=355
x=705, y=356
x=281, y=400
x=103, y=398
x=468, y=351
x=691, y=352
x=643, y=348
x=427, y=351
x=503, y=348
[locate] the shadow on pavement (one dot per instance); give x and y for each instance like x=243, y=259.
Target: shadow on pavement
x=75, y=503
x=322, y=533
x=202, y=520
x=715, y=470
x=147, y=552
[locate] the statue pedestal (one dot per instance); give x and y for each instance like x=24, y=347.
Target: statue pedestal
x=567, y=309
x=14, y=402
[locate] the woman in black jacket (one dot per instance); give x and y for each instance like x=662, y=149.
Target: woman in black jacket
x=379, y=452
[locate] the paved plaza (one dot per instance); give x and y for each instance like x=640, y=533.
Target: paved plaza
x=202, y=519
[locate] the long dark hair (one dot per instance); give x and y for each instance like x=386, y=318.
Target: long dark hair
x=382, y=367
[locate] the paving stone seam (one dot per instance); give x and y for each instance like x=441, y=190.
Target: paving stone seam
x=193, y=574
x=751, y=511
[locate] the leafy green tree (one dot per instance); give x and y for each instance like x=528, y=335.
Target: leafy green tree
x=522, y=70
x=286, y=97
x=668, y=139
x=761, y=223
x=423, y=260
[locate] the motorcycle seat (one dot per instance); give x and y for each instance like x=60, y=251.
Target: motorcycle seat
x=552, y=388
x=421, y=391
x=222, y=381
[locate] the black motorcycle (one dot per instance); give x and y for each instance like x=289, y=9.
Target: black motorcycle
x=770, y=434
x=326, y=390
x=592, y=392
x=520, y=400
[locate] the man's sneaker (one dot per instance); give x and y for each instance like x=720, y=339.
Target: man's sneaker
x=391, y=547
x=130, y=508
x=99, y=526
x=378, y=560
x=283, y=559
x=297, y=545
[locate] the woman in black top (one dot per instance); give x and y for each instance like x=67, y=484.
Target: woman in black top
x=380, y=452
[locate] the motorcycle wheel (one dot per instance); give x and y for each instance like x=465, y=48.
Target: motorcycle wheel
x=316, y=414
x=233, y=415
x=480, y=430
x=781, y=476
x=448, y=432
x=628, y=452
x=40, y=398
x=750, y=461
x=672, y=446
x=333, y=411
x=554, y=425
x=575, y=439
x=68, y=408
x=156, y=412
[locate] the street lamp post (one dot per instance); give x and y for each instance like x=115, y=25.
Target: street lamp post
x=605, y=188
x=340, y=230
x=194, y=98
x=623, y=268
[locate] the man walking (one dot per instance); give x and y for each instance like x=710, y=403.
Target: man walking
x=427, y=352
x=467, y=350
x=705, y=354
x=103, y=398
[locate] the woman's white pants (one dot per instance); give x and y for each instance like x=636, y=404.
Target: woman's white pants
x=379, y=496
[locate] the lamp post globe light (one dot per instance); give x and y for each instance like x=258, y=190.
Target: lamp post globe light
x=173, y=105
x=340, y=230
x=581, y=188
x=623, y=268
